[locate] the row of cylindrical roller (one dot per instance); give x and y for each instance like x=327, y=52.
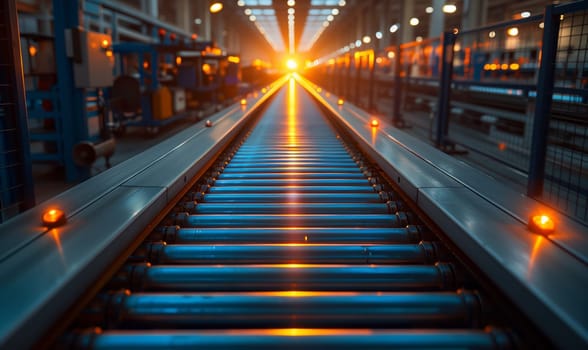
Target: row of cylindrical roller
x=291, y=240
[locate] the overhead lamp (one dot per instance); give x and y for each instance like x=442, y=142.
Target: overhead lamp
x=366, y=39
x=449, y=8
x=379, y=35
x=414, y=21
x=525, y=14
x=512, y=31
x=335, y=12
x=241, y=3
x=429, y=9
x=394, y=28
x=215, y=7
x=357, y=43
x=252, y=18
x=342, y=3
x=291, y=3
x=374, y=123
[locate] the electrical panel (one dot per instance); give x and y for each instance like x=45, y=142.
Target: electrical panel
x=92, y=57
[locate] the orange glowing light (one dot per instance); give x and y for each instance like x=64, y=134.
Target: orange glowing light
x=194, y=36
x=319, y=90
x=234, y=59
x=178, y=60
x=374, y=123
x=243, y=102
x=541, y=224
x=206, y=69
x=504, y=66
x=105, y=43
x=263, y=91
x=32, y=51
x=216, y=7
x=515, y=66
x=502, y=146
x=54, y=218
x=309, y=332
x=145, y=65
x=291, y=64
x=340, y=102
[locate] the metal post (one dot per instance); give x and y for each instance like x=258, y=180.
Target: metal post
x=372, y=80
x=397, y=119
x=74, y=124
x=348, y=82
x=448, y=41
x=543, y=103
x=357, y=78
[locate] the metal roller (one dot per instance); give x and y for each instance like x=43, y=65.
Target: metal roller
x=284, y=197
x=294, y=220
x=292, y=207
x=290, y=175
x=161, y=253
x=250, y=235
x=284, y=277
x=294, y=181
x=295, y=339
x=290, y=169
x=364, y=188
x=291, y=309
x=299, y=162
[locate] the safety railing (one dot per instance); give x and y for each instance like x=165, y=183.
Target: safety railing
x=514, y=92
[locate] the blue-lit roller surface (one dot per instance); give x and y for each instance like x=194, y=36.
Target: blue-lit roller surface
x=293, y=240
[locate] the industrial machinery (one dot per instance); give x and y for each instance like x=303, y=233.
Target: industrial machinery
x=53, y=137
x=162, y=83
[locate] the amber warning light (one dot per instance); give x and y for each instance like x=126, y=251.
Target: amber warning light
x=340, y=102
x=542, y=224
x=375, y=123
x=54, y=218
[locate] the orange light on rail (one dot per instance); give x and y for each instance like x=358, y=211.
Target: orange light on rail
x=54, y=218
x=542, y=224
x=243, y=102
x=105, y=43
x=263, y=91
x=340, y=102
x=375, y=123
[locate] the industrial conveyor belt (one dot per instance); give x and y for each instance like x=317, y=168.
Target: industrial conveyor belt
x=289, y=243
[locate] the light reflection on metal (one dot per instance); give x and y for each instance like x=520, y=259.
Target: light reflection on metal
x=307, y=332
x=534, y=254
